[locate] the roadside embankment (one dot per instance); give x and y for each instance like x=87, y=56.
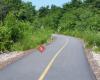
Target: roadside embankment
x=94, y=60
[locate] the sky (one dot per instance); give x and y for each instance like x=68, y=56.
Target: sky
x=40, y=3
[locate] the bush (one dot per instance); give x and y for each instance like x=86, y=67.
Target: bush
x=32, y=40
x=5, y=42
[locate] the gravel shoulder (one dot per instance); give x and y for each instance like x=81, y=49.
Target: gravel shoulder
x=8, y=58
x=94, y=60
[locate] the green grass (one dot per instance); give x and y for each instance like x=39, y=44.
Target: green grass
x=33, y=40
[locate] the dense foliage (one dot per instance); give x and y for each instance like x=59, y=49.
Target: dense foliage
x=23, y=27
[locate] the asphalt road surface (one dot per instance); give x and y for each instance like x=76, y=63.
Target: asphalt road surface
x=64, y=59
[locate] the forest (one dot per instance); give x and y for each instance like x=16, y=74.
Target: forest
x=22, y=27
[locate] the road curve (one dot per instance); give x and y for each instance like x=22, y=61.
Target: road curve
x=63, y=59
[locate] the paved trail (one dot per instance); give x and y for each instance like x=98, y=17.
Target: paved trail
x=64, y=59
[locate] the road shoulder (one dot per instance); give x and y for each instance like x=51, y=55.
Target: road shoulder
x=94, y=62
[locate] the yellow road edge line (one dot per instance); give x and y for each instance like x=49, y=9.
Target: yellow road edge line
x=51, y=62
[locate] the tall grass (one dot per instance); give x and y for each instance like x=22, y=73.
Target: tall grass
x=33, y=40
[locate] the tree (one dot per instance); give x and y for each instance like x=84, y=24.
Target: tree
x=3, y=10
x=43, y=11
x=67, y=7
x=26, y=12
x=13, y=4
x=97, y=4
x=89, y=1
x=76, y=3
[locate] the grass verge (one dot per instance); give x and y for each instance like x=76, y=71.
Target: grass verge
x=33, y=40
